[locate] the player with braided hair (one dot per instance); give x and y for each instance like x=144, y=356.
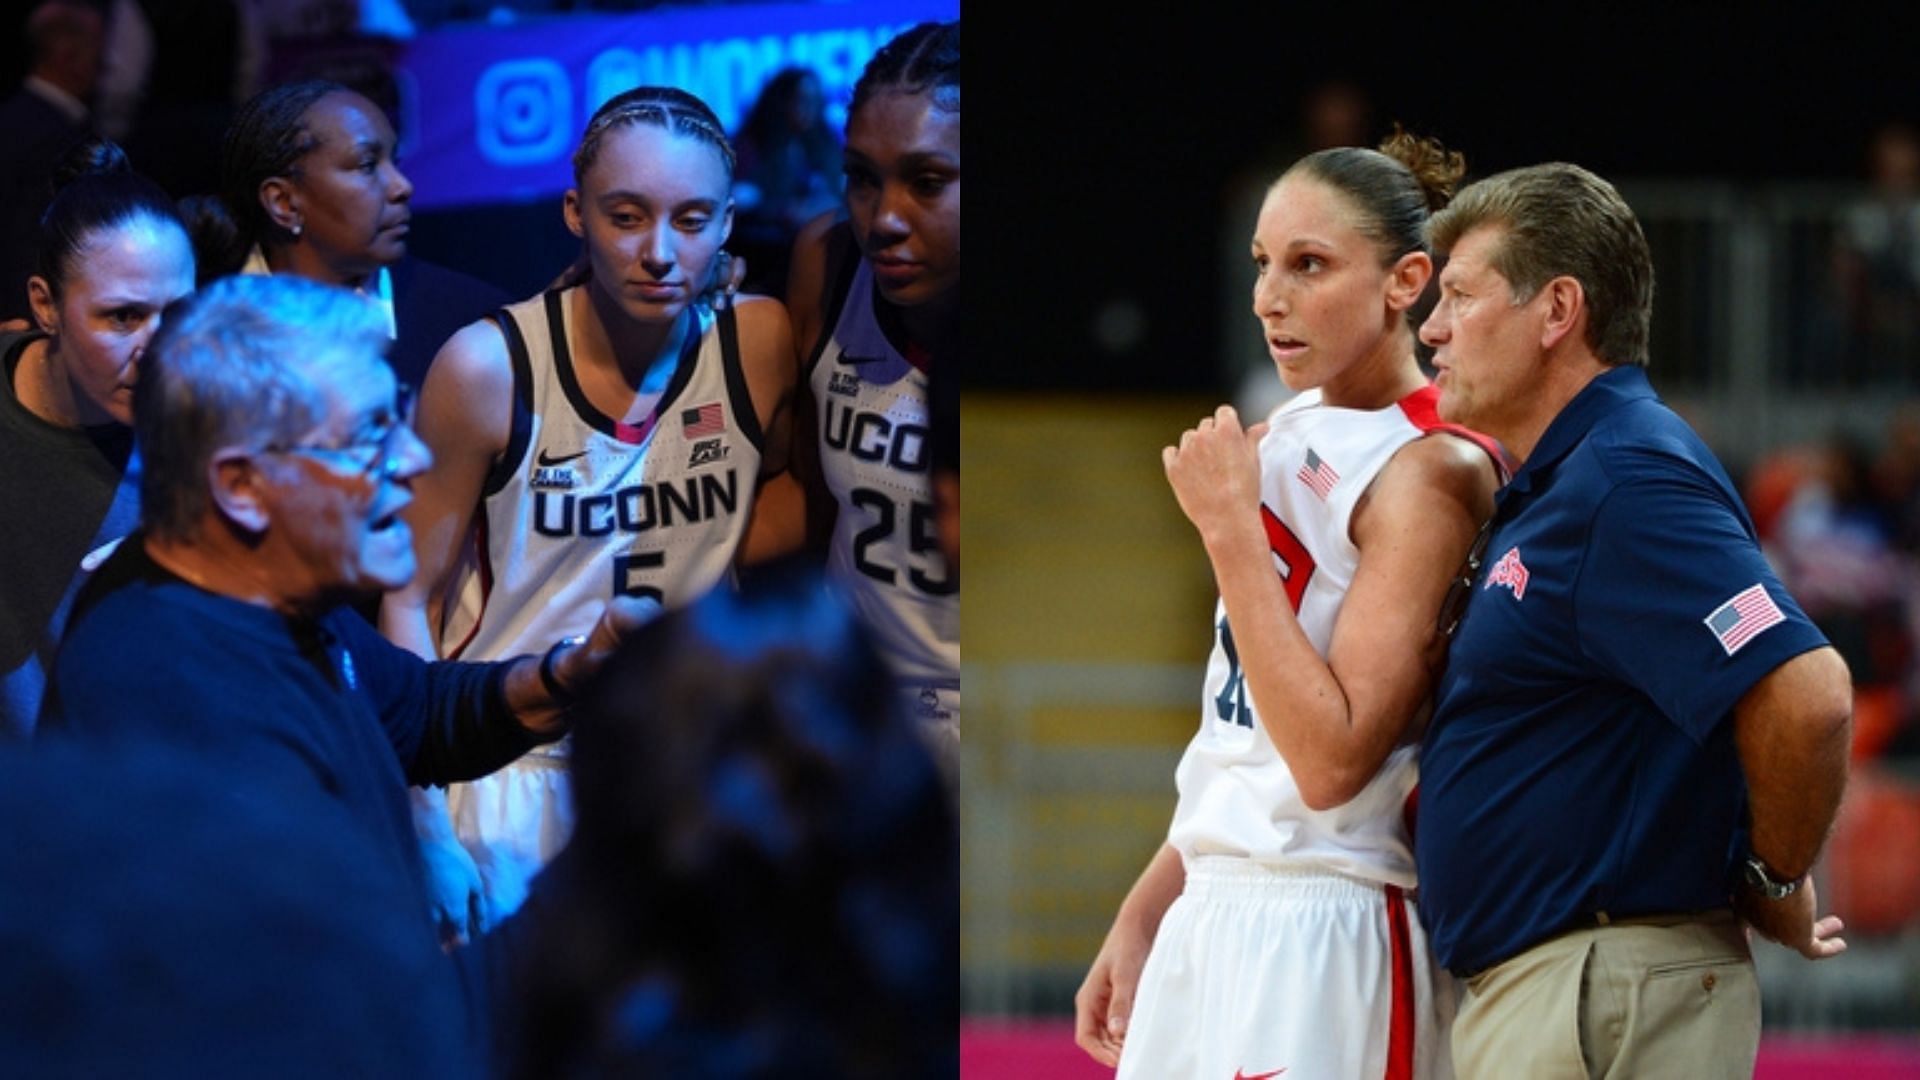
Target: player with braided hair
x=1272, y=932
x=603, y=438
x=875, y=297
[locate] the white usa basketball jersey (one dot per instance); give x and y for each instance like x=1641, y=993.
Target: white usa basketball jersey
x=1237, y=796
x=876, y=456
x=583, y=507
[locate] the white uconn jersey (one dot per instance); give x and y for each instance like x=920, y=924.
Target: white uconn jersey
x=876, y=456
x=1237, y=796
x=582, y=507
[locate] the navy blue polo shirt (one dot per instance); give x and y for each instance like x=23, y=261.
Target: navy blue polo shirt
x=1578, y=760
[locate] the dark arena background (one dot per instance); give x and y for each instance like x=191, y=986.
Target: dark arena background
x=1119, y=163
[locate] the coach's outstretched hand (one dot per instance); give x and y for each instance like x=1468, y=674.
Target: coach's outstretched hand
x=541, y=688
x=621, y=617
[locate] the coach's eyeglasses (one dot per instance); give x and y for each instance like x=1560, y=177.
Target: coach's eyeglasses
x=1455, y=605
x=374, y=453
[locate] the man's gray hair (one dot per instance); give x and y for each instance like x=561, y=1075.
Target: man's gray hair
x=1561, y=220
x=242, y=362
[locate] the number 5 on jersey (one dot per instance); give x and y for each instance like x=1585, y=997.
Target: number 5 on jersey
x=627, y=568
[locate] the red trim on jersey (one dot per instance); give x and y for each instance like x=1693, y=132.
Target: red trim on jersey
x=635, y=434
x=485, y=569
x=1410, y=811
x=1400, y=1030
x=1422, y=409
x=919, y=356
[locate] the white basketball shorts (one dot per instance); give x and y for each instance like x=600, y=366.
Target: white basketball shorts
x=513, y=821
x=1260, y=971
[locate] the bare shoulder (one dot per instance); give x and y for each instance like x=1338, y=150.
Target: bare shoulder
x=468, y=396
x=766, y=338
x=1446, y=464
x=474, y=359
x=761, y=315
x=1435, y=482
x=767, y=359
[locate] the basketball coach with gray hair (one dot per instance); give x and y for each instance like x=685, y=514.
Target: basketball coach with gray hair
x=1639, y=741
x=277, y=457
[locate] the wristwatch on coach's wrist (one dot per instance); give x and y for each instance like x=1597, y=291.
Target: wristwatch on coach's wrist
x=1766, y=882
x=549, y=681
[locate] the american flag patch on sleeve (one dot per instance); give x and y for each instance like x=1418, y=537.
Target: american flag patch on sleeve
x=1742, y=618
x=1317, y=474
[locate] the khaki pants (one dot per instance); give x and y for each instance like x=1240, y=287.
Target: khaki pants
x=1651, y=997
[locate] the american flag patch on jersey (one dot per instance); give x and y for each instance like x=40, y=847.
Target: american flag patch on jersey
x=1317, y=475
x=705, y=420
x=1741, y=619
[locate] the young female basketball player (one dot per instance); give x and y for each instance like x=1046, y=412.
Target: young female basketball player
x=876, y=304
x=1272, y=932
x=601, y=439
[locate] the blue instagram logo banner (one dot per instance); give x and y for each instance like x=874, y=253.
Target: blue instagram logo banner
x=492, y=113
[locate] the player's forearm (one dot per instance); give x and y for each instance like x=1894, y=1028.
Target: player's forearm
x=1303, y=707
x=1793, y=731
x=1155, y=891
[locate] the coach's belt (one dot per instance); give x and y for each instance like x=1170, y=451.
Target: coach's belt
x=1595, y=920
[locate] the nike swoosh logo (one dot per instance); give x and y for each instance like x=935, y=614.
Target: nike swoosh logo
x=1238, y=1075
x=561, y=460
x=855, y=361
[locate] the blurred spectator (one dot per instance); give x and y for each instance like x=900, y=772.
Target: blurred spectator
x=1873, y=860
x=1831, y=538
x=177, y=926
x=789, y=173
x=126, y=63
x=1896, y=479
x=763, y=879
x=1838, y=551
x=1877, y=259
x=47, y=114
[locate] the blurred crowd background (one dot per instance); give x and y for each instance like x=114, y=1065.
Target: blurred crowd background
x=164, y=77
x=1775, y=166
